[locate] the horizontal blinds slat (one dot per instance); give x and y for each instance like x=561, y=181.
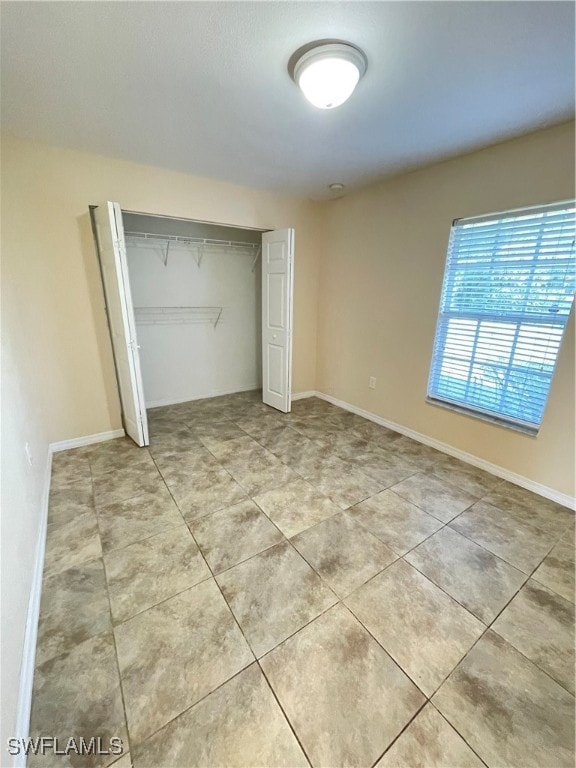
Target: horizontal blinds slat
x=548, y=211
x=541, y=225
x=508, y=289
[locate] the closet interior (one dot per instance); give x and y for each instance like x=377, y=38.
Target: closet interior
x=196, y=291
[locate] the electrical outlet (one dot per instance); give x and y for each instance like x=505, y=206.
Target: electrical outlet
x=28, y=452
x=372, y=382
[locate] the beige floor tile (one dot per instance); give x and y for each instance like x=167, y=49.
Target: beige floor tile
x=67, y=502
x=256, y=475
x=149, y=571
x=429, y=742
x=519, y=543
x=345, y=445
x=299, y=455
x=376, y=434
x=261, y=425
x=125, y=482
x=477, y=579
x=295, y=506
x=172, y=440
x=240, y=725
x=397, y=522
x=434, y=496
x=421, y=627
x=72, y=543
x=177, y=466
x=539, y=512
x=204, y=491
x=343, y=420
x=273, y=595
x=316, y=463
x=69, y=467
x=138, y=518
x=213, y=434
x=282, y=442
x=344, y=553
x=398, y=461
x=121, y=453
x=344, y=696
x=382, y=466
x=340, y=481
x=466, y=477
x=314, y=427
x=78, y=694
x=540, y=624
x=243, y=447
x=509, y=711
x=124, y=762
x=173, y=427
x=164, y=414
x=74, y=608
x=311, y=406
x=422, y=456
x=557, y=570
x=174, y=654
x=234, y=534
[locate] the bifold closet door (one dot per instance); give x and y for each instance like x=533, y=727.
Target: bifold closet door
x=114, y=267
x=277, y=289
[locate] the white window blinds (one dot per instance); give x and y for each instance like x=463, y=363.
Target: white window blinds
x=508, y=289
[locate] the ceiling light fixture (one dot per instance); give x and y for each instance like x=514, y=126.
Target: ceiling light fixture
x=327, y=71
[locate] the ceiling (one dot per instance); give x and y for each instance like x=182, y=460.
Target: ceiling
x=203, y=88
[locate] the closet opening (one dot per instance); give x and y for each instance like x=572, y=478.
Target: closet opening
x=196, y=293
x=195, y=310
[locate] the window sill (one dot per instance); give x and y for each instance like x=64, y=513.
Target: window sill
x=473, y=414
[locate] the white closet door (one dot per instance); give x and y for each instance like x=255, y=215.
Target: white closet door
x=277, y=289
x=114, y=266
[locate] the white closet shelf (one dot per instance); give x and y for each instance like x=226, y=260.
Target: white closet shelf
x=177, y=315
x=165, y=244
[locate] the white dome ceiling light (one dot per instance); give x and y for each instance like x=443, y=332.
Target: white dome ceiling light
x=327, y=71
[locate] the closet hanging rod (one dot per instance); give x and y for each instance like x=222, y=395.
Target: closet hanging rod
x=195, y=241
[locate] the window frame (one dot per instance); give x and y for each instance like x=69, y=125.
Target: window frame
x=471, y=410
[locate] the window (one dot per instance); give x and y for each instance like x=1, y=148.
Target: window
x=507, y=293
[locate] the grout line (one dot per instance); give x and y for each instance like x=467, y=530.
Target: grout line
x=160, y=602
x=455, y=599
x=192, y=706
x=386, y=651
x=425, y=703
x=146, y=537
x=269, y=684
x=458, y=733
x=120, y=681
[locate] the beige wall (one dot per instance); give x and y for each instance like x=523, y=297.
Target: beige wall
x=57, y=374
x=380, y=282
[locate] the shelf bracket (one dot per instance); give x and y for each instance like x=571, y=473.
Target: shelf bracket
x=256, y=258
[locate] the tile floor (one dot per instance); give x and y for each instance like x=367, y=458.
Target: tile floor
x=261, y=589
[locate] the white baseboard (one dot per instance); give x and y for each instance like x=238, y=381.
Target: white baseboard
x=212, y=393
x=79, y=442
x=469, y=458
x=303, y=395
x=31, y=632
